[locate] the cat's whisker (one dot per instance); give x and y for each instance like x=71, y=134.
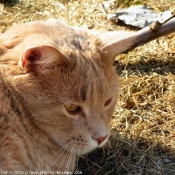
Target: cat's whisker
x=62, y=151
x=78, y=152
x=74, y=160
x=75, y=156
x=70, y=157
x=64, y=147
x=68, y=151
x=77, y=159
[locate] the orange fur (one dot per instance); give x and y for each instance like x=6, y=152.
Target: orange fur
x=36, y=131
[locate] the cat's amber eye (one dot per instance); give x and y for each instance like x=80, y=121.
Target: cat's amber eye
x=72, y=108
x=108, y=102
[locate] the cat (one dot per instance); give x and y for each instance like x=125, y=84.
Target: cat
x=58, y=90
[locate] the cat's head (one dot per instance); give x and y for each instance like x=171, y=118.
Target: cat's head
x=67, y=82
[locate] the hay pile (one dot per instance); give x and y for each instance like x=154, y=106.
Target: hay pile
x=143, y=127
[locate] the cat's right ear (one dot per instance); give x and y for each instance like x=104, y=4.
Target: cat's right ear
x=41, y=58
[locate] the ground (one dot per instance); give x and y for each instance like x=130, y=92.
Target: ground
x=143, y=126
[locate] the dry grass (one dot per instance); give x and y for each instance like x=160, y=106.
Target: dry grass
x=143, y=134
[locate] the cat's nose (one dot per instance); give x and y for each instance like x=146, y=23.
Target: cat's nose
x=100, y=139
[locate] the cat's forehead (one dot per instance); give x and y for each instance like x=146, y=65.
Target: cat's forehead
x=85, y=81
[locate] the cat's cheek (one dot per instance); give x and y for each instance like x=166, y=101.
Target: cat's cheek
x=60, y=140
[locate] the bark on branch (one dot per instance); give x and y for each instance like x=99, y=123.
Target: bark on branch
x=151, y=32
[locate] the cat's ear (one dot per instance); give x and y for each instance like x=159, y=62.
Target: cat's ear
x=115, y=43
x=40, y=58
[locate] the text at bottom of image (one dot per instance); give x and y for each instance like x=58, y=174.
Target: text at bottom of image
x=39, y=172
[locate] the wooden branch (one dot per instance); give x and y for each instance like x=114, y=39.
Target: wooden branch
x=151, y=32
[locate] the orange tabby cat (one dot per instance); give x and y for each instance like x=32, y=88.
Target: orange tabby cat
x=58, y=90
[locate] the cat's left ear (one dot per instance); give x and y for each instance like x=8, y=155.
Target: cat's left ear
x=40, y=58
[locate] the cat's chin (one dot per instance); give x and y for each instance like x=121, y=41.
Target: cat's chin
x=86, y=151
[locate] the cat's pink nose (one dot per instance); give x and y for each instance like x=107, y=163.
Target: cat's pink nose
x=100, y=139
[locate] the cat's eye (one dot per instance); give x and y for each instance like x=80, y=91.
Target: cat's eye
x=108, y=102
x=72, y=108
